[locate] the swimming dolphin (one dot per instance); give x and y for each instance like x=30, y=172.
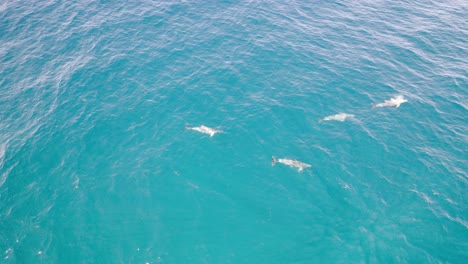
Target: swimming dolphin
x=397, y=101
x=203, y=129
x=291, y=162
x=338, y=117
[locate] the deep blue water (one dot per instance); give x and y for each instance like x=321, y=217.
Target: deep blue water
x=95, y=165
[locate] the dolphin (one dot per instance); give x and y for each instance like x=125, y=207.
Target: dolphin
x=397, y=101
x=338, y=117
x=204, y=129
x=291, y=162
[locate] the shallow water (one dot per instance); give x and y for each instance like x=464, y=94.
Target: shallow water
x=95, y=165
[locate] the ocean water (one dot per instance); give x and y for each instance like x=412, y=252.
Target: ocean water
x=96, y=167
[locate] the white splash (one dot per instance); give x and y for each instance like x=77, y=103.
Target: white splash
x=292, y=163
x=204, y=129
x=338, y=117
x=397, y=101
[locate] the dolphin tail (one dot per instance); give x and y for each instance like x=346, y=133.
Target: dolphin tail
x=273, y=161
x=186, y=127
x=320, y=120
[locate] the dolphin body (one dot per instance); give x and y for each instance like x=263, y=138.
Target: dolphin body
x=291, y=162
x=397, y=101
x=338, y=117
x=204, y=129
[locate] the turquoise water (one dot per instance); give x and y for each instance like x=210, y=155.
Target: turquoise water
x=95, y=165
